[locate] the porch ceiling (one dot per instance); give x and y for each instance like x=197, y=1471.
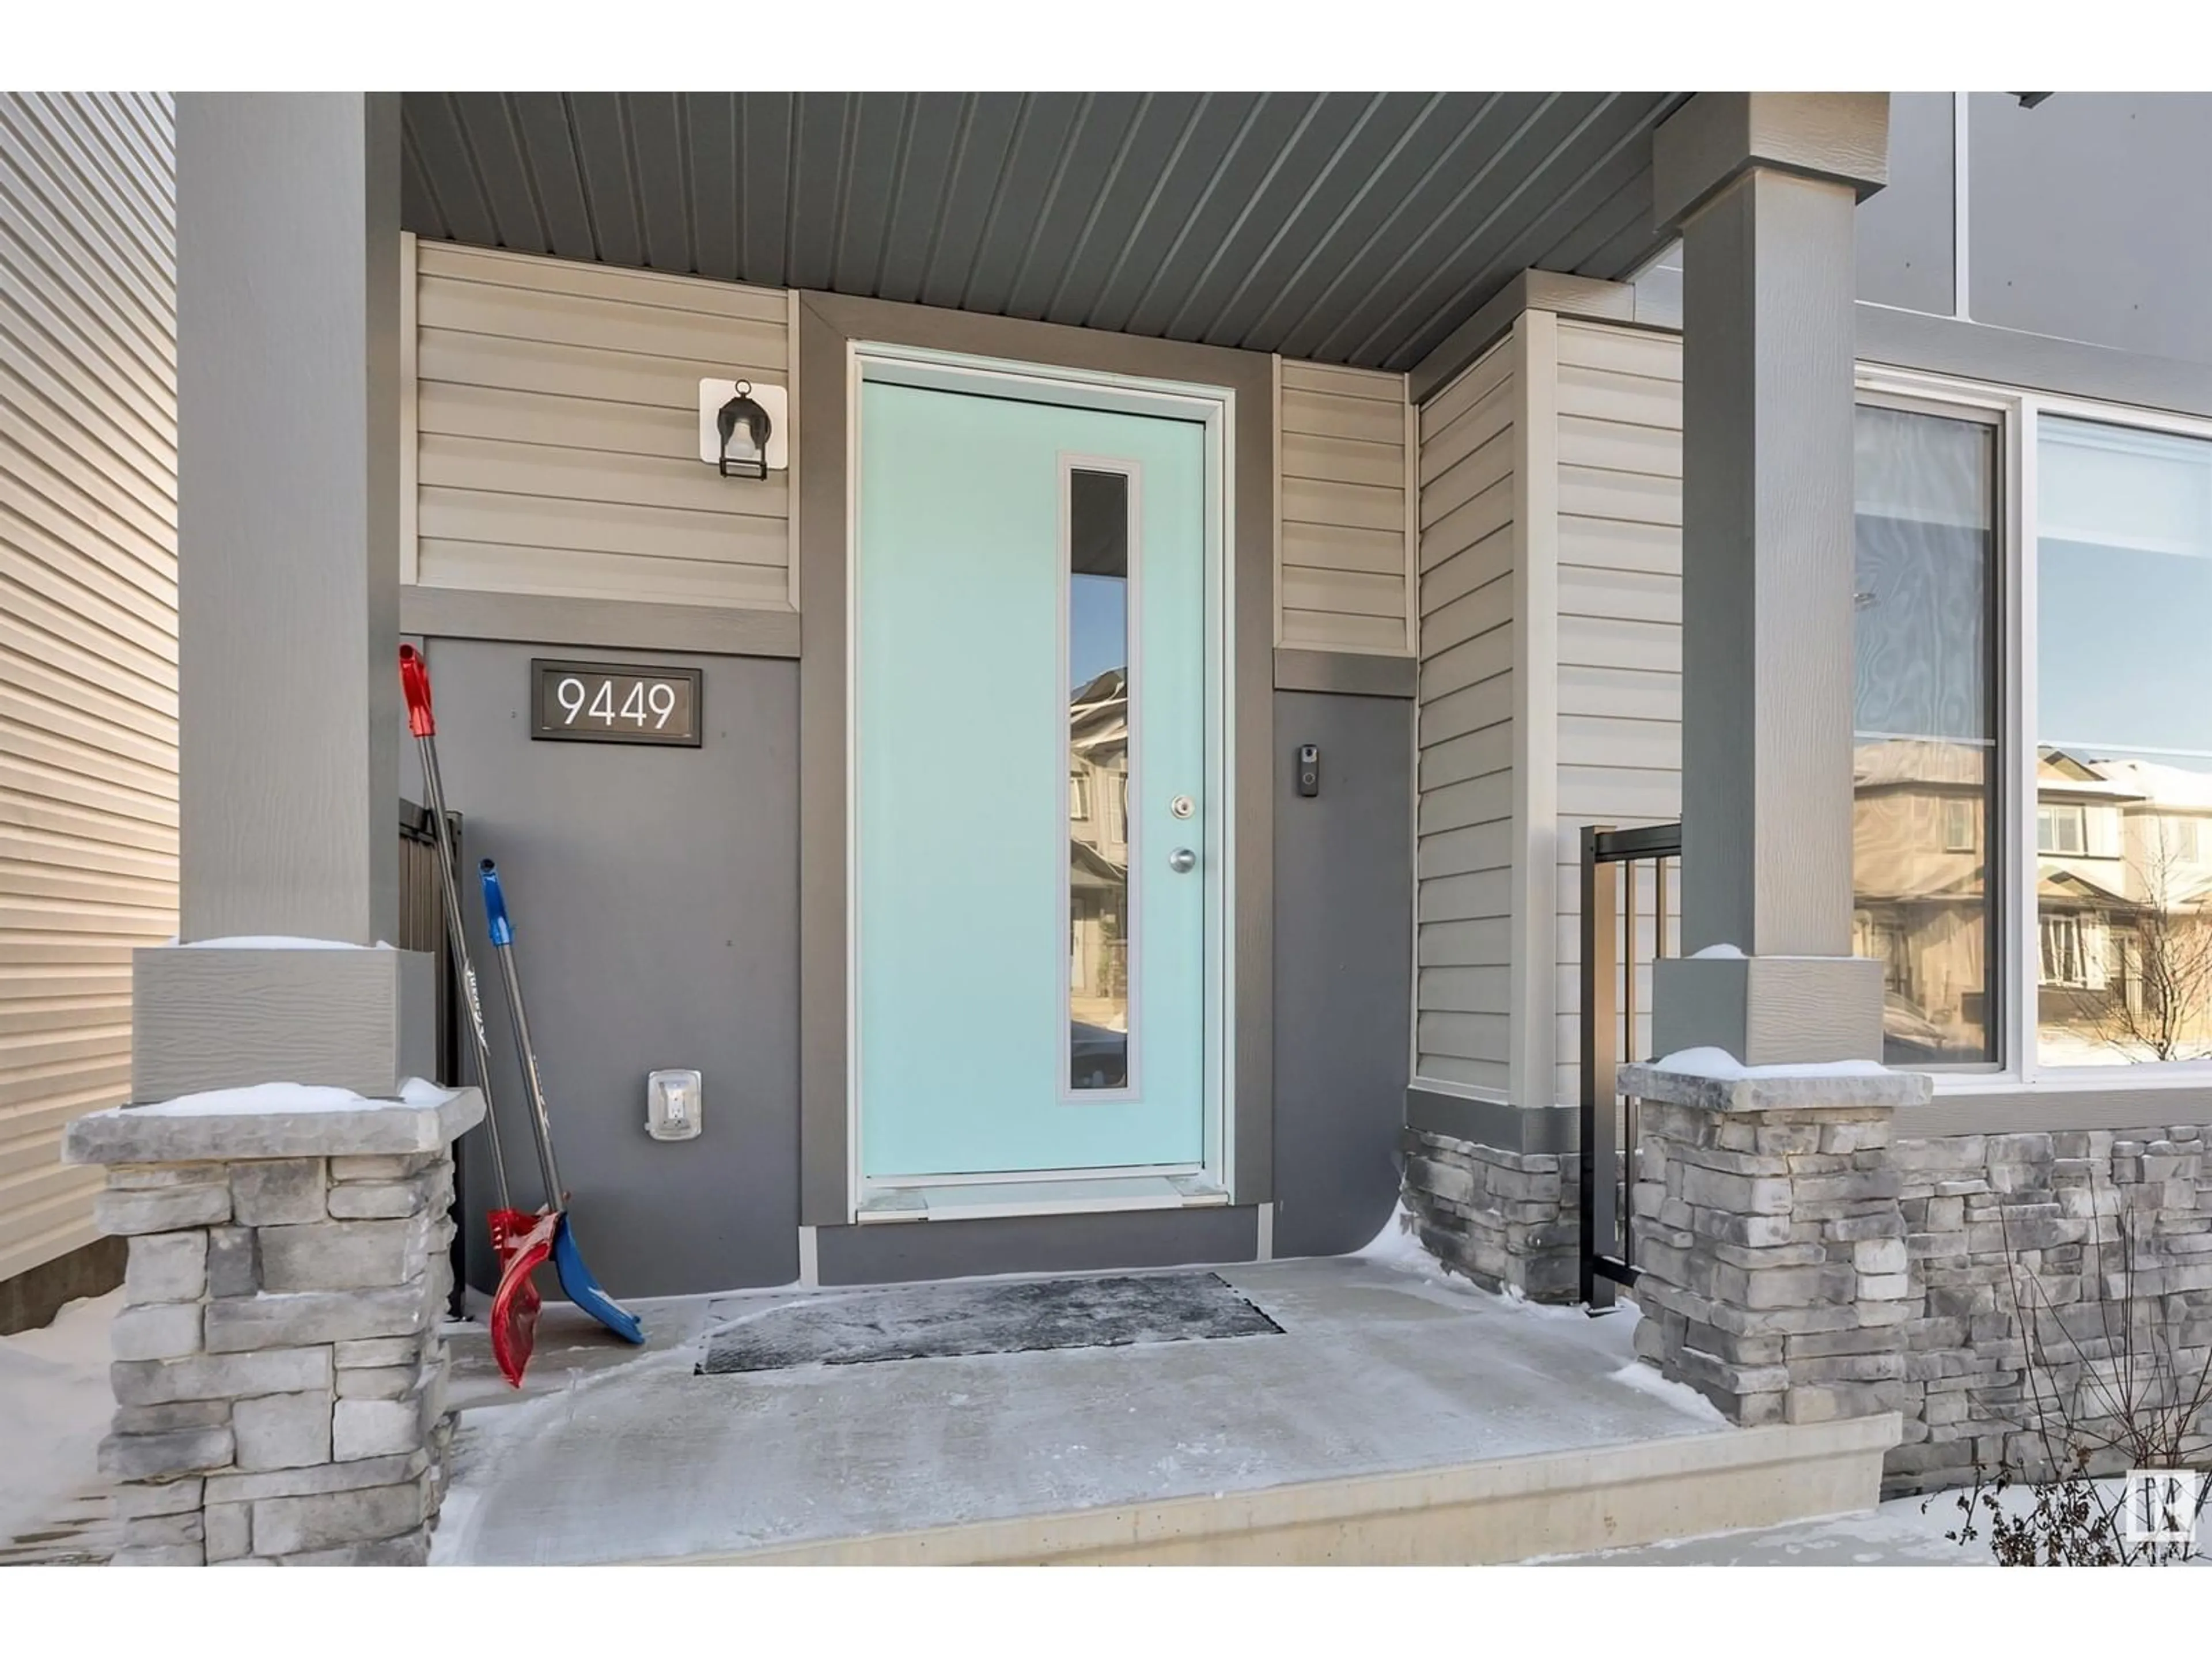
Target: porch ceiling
x=1346, y=227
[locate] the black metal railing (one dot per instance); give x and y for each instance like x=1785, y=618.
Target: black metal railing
x=423, y=927
x=1620, y=868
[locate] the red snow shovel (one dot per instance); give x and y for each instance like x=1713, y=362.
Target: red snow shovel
x=520, y=1242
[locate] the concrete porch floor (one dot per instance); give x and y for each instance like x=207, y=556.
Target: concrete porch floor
x=1391, y=1403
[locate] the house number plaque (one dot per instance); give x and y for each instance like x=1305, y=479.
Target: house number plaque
x=612, y=702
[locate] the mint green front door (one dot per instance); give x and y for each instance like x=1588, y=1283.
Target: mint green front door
x=1031, y=747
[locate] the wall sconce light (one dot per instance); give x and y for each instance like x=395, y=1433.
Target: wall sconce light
x=744, y=432
x=743, y=422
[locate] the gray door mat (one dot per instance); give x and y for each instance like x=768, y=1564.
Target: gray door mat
x=927, y=1321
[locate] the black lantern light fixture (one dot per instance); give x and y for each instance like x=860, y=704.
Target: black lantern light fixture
x=744, y=427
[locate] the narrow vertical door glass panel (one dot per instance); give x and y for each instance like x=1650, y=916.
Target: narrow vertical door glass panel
x=1099, y=833
x=1924, y=738
x=2123, y=951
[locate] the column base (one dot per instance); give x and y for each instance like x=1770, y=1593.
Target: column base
x=1772, y=1244
x=1769, y=1009
x=209, y=1017
x=279, y=1376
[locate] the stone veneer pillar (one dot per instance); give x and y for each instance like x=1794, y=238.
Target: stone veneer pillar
x=1771, y=1242
x=279, y=1377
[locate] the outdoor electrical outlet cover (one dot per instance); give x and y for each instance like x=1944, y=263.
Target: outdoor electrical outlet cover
x=673, y=1100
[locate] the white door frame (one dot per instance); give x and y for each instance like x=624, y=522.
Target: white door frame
x=1060, y=1191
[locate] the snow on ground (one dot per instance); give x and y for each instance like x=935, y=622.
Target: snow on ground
x=55, y=1401
x=1646, y=1380
x=1397, y=1245
x=1903, y=1531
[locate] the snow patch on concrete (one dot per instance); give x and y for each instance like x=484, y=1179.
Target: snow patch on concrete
x=1680, y=1395
x=55, y=1401
x=1729, y=952
x=1399, y=1246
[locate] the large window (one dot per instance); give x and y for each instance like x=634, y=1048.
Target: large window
x=2031, y=862
x=2123, y=662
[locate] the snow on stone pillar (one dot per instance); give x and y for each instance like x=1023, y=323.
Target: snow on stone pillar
x=1772, y=1246
x=279, y=1377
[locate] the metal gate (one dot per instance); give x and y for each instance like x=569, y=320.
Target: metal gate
x=423, y=927
x=1625, y=876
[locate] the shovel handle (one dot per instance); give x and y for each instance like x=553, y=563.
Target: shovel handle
x=503, y=931
x=414, y=685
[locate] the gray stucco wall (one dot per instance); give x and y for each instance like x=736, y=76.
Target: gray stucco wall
x=656, y=916
x=656, y=924
x=1344, y=952
x=2091, y=219
x=1904, y=229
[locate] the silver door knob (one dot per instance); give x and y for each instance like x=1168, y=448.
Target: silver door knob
x=1182, y=860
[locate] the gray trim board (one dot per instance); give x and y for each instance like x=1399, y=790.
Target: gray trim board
x=1345, y=673
x=824, y=1201
x=1524, y=1129
x=899, y=1252
x=2040, y=362
x=2026, y=1111
x=457, y=613
x=827, y=325
x=1532, y=290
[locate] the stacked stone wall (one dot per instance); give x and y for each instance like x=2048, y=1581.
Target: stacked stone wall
x=279, y=1377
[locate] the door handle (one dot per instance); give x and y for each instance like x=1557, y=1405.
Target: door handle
x=1182, y=860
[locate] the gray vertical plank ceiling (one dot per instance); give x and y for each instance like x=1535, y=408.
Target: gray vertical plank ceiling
x=1347, y=227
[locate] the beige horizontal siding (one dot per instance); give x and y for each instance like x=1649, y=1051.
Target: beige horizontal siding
x=556, y=418
x=87, y=624
x=1464, y=863
x=1619, y=735
x=1344, y=544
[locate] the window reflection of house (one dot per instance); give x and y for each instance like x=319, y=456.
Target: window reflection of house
x=2125, y=961
x=1098, y=866
x=1921, y=857
x=2122, y=884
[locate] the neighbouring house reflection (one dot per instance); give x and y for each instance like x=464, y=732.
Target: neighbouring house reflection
x=2123, y=937
x=1098, y=884
x=2123, y=951
x=1098, y=827
x=1921, y=861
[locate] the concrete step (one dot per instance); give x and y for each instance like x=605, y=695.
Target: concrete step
x=1510, y=1509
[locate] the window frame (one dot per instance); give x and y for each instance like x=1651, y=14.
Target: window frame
x=1996, y=853
x=2013, y=855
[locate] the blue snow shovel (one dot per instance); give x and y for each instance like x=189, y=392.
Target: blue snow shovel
x=576, y=1278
